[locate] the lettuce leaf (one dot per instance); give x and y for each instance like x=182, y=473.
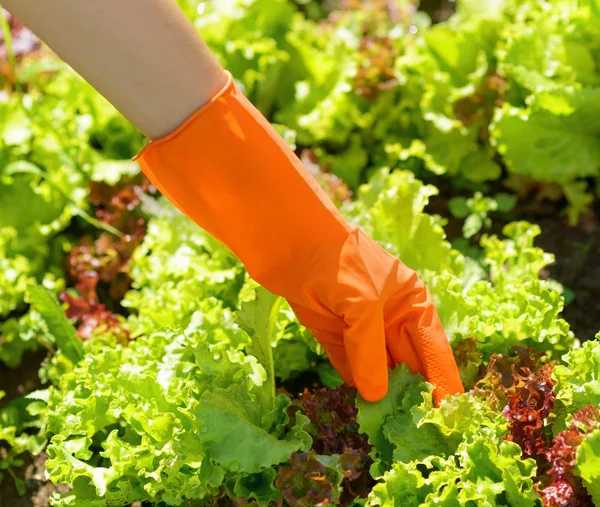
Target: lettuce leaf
x=578, y=379
x=176, y=266
x=163, y=410
x=57, y=323
x=452, y=455
x=588, y=464
x=392, y=423
x=554, y=138
x=19, y=432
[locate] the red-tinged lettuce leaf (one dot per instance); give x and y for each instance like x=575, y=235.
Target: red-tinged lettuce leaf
x=311, y=479
x=523, y=384
x=106, y=259
x=479, y=107
x=93, y=318
x=105, y=256
x=376, y=71
x=469, y=361
x=332, y=413
x=119, y=204
x=528, y=407
x=335, y=432
x=562, y=484
x=503, y=371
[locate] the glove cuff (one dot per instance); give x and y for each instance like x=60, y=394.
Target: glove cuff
x=228, y=170
x=155, y=143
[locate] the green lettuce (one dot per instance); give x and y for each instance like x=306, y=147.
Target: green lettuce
x=392, y=423
x=177, y=416
x=452, y=455
x=176, y=266
x=249, y=39
x=560, y=128
x=22, y=334
x=19, y=433
x=179, y=266
x=578, y=379
x=588, y=464
x=482, y=473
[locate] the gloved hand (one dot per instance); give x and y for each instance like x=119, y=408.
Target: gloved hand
x=228, y=170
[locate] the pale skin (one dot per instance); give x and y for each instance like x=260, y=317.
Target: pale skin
x=144, y=56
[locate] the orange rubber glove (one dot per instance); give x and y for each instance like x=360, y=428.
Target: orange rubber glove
x=228, y=170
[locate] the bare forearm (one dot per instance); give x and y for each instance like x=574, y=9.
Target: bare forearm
x=144, y=56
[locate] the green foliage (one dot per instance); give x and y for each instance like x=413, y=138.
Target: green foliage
x=18, y=435
x=392, y=423
x=578, y=379
x=514, y=306
x=482, y=473
x=452, y=455
x=57, y=323
x=188, y=280
x=500, y=84
x=20, y=335
x=177, y=416
x=276, y=338
x=177, y=266
x=51, y=140
x=475, y=210
x=588, y=464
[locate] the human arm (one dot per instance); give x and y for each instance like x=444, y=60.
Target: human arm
x=144, y=56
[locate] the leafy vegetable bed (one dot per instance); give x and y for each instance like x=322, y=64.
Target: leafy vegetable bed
x=170, y=378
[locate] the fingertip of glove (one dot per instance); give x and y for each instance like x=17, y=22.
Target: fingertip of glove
x=373, y=392
x=441, y=392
